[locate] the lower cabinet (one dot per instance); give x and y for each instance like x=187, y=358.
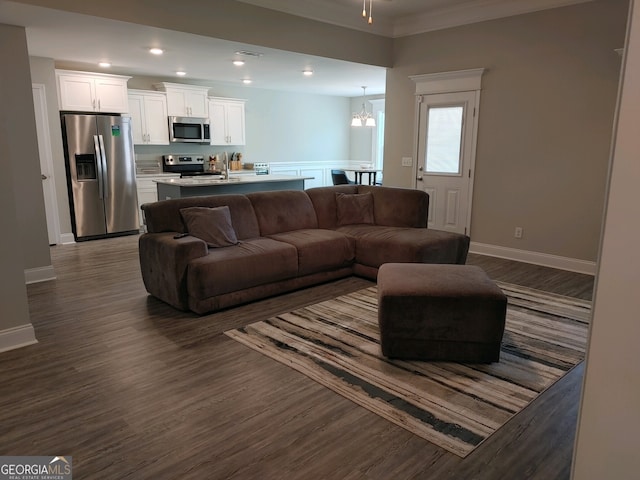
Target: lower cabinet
x=148, y=190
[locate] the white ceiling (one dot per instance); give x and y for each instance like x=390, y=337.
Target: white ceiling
x=80, y=42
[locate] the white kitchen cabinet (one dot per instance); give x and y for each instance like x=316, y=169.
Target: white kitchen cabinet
x=185, y=100
x=227, y=121
x=92, y=92
x=149, y=115
x=148, y=190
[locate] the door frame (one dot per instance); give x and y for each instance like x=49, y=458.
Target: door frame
x=449, y=82
x=46, y=157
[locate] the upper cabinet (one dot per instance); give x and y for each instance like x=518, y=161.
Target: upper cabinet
x=185, y=100
x=227, y=121
x=92, y=92
x=149, y=117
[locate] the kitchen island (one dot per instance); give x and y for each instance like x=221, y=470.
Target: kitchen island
x=214, y=185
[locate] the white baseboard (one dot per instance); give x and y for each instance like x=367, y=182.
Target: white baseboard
x=67, y=238
x=40, y=274
x=543, y=259
x=17, y=337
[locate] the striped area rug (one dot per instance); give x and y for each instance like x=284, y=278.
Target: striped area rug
x=455, y=406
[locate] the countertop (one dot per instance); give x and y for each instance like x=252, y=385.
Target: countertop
x=160, y=174
x=215, y=180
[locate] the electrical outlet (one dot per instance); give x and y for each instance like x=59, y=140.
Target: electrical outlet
x=518, y=232
x=407, y=161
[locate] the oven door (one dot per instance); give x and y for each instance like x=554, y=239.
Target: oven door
x=188, y=130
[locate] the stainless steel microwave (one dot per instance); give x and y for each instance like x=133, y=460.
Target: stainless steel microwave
x=189, y=130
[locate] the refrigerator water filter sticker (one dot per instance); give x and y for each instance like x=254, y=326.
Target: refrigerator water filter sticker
x=115, y=130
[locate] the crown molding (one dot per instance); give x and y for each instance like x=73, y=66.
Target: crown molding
x=467, y=14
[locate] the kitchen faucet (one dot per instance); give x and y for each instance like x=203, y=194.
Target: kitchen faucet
x=225, y=164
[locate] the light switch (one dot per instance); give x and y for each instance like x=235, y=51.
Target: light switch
x=407, y=161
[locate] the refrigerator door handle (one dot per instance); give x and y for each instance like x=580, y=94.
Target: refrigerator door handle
x=99, y=167
x=105, y=173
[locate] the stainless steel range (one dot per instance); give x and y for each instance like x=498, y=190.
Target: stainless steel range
x=185, y=165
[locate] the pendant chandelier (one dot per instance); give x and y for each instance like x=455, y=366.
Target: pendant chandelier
x=363, y=119
x=364, y=10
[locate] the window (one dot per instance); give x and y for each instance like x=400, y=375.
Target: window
x=444, y=140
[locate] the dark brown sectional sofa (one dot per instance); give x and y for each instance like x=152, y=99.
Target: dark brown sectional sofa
x=287, y=240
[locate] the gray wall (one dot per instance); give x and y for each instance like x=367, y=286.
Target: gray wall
x=25, y=242
x=546, y=109
x=17, y=101
x=280, y=126
x=609, y=420
x=545, y=121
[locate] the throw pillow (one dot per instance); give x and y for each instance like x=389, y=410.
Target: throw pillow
x=213, y=225
x=354, y=208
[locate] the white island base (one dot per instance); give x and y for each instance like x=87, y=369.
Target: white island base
x=198, y=186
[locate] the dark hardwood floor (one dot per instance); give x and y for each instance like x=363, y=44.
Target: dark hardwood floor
x=134, y=389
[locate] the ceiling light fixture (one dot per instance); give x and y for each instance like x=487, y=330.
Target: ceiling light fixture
x=364, y=11
x=247, y=53
x=180, y=73
x=363, y=119
x=308, y=72
x=246, y=81
x=238, y=63
x=104, y=64
x=156, y=51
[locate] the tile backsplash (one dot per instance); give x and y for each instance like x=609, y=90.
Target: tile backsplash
x=148, y=163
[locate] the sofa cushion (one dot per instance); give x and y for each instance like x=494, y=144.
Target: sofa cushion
x=324, y=203
x=250, y=263
x=319, y=250
x=355, y=208
x=213, y=225
x=376, y=245
x=398, y=207
x=283, y=211
x=164, y=216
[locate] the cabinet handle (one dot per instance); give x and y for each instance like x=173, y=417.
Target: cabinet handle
x=98, y=104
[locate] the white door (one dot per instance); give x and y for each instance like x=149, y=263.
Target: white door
x=447, y=127
x=46, y=163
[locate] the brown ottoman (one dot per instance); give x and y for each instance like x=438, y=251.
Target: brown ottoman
x=440, y=312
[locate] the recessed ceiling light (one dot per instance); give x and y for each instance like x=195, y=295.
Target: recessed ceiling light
x=180, y=73
x=308, y=72
x=246, y=81
x=104, y=64
x=156, y=51
x=238, y=63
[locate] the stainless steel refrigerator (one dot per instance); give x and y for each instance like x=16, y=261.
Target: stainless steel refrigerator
x=101, y=175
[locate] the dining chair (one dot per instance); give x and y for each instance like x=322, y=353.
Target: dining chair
x=339, y=177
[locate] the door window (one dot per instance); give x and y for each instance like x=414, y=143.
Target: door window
x=444, y=140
